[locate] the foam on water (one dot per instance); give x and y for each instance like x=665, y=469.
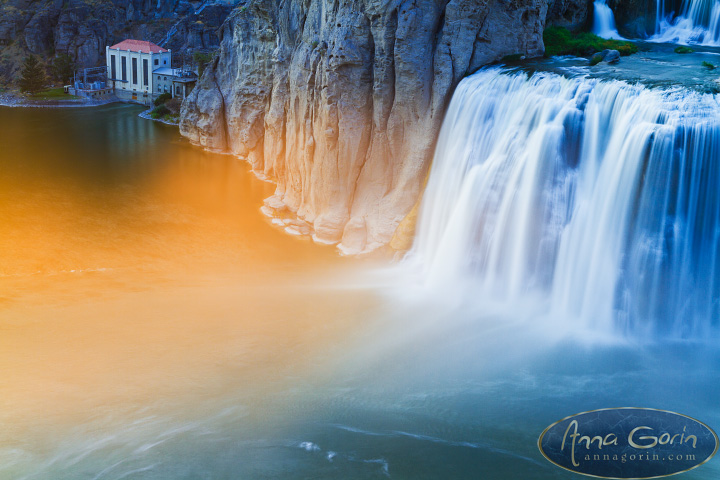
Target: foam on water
x=697, y=22
x=604, y=21
x=597, y=196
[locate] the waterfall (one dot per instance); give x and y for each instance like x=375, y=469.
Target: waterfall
x=604, y=21
x=599, y=196
x=697, y=22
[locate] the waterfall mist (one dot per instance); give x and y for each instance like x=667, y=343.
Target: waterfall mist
x=598, y=197
x=697, y=21
x=604, y=21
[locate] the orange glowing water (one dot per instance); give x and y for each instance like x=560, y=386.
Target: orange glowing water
x=154, y=325
x=137, y=270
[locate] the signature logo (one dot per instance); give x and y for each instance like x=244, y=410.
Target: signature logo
x=628, y=443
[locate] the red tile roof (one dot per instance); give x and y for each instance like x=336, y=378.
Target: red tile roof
x=138, y=46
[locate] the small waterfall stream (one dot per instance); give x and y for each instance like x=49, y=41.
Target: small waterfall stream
x=698, y=21
x=604, y=21
x=599, y=196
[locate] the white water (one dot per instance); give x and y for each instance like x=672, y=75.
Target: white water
x=604, y=21
x=698, y=22
x=598, y=197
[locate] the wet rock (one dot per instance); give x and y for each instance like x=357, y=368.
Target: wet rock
x=598, y=57
x=634, y=18
x=612, y=56
x=571, y=14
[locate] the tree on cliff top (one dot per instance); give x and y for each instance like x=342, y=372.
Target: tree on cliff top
x=33, y=76
x=203, y=59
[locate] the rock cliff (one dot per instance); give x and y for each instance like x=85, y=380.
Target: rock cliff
x=340, y=101
x=571, y=14
x=636, y=18
x=82, y=28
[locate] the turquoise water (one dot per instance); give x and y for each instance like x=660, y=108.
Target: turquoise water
x=154, y=325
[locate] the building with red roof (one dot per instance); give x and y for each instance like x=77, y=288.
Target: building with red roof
x=140, y=46
x=130, y=71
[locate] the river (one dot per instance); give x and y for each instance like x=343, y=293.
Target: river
x=155, y=325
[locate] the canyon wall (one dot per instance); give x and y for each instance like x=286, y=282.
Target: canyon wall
x=636, y=18
x=340, y=102
x=83, y=28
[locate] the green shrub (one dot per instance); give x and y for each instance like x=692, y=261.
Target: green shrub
x=162, y=98
x=159, y=111
x=626, y=49
x=561, y=41
x=683, y=49
x=203, y=59
x=174, y=105
x=709, y=65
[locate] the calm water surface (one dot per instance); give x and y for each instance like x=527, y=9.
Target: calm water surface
x=154, y=325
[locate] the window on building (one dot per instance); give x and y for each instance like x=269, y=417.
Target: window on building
x=112, y=67
x=134, y=71
x=164, y=62
x=146, y=69
x=159, y=88
x=124, y=69
x=164, y=78
x=157, y=62
x=178, y=90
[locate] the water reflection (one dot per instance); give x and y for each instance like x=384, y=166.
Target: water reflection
x=153, y=325
x=137, y=275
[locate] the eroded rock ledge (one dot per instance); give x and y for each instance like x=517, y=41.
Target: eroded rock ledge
x=340, y=101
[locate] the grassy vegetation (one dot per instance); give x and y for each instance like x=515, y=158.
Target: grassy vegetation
x=53, y=94
x=683, y=49
x=709, y=65
x=162, y=98
x=160, y=111
x=166, y=108
x=561, y=41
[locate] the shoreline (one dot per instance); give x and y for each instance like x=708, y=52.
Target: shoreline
x=13, y=100
x=146, y=115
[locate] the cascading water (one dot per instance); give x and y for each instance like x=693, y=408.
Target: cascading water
x=599, y=196
x=604, y=20
x=697, y=22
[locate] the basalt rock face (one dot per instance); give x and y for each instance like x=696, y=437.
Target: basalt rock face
x=82, y=28
x=340, y=101
x=571, y=14
x=636, y=18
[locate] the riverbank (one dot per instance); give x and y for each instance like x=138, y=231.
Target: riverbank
x=147, y=115
x=16, y=99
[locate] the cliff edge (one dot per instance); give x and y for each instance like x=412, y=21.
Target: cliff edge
x=340, y=102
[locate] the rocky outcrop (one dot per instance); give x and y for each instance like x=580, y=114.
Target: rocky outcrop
x=636, y=18
x=340, y=101
x=82, y=28
x=571, y=14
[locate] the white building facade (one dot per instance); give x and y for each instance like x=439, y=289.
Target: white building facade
x=175, y=81
x=131, y=65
